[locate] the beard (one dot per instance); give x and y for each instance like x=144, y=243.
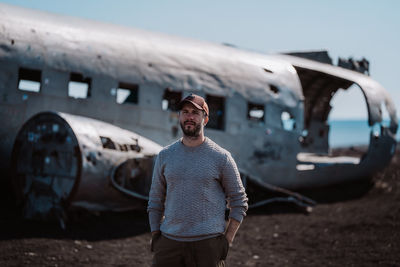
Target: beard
x=193, y=132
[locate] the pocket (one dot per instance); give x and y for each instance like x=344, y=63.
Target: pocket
x=225, y=247
x=154, y=239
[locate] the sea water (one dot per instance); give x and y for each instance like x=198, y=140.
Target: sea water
x=345, y=133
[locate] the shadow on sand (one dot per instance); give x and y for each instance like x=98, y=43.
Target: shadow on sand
x=81, y=224
x=84, y=225
x=323, y=195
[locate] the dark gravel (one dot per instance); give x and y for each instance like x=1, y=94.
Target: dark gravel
x=353, y=225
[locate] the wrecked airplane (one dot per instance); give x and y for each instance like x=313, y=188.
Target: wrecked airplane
x=81, y=100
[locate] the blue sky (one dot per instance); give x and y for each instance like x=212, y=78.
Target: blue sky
x=355, y=29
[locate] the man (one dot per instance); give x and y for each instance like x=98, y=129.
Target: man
x=192, y=179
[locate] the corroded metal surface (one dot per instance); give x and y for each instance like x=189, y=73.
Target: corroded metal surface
x=62, y=160
x=285, y=145
x=376, y=96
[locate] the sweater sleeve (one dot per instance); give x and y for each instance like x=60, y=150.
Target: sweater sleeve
x=234, y=190
x=155, y=206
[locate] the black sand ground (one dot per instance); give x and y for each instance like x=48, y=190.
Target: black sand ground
x=355, y=225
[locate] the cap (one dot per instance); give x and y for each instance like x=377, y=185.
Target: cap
x=196, y=100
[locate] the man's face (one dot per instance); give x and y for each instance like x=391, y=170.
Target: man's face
x=192, y=120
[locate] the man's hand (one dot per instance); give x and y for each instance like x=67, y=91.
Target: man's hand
x=155, y=233
x=231, y=230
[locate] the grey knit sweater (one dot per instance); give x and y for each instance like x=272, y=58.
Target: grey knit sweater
x=189, y=191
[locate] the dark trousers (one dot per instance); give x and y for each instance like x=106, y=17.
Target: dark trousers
x=204, y=253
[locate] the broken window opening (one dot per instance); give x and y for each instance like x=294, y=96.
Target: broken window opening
x=136, y=148
x=29, y=80
x=216, y=106
x=107, y=143
x=274, y=89
x=348, y=119
x=171, y=100
x=79, y=86
x=123, y=147
x=255, y=112
x=288, y=121
x=127, y=93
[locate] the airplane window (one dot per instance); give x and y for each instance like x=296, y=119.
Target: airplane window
x=288, y=121
x=79, y=86
x=171, y=100
x=29, y=80
x=255, y=112
x=127, y=93
x=216, y=106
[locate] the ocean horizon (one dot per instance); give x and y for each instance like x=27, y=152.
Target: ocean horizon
x=352, y=132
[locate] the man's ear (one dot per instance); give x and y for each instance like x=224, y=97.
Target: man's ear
x=205, y=121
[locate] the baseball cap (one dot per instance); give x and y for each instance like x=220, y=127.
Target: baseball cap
x=196, y=100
